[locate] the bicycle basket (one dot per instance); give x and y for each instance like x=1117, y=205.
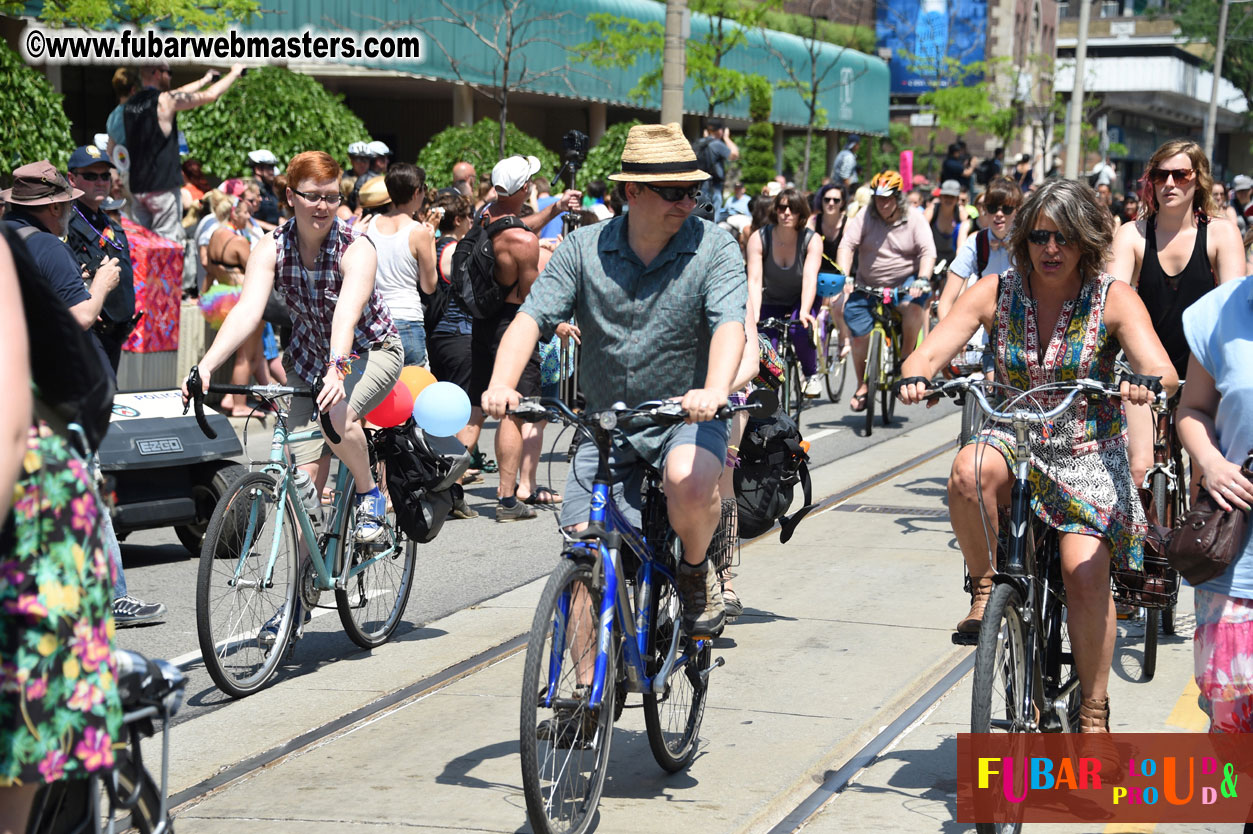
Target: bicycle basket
x=1157, y=586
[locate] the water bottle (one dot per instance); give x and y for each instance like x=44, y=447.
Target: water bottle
x=308, y=492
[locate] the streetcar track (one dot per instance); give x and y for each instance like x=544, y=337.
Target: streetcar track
x=318, y=736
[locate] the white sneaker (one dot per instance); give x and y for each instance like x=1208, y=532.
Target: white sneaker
x=813, y=386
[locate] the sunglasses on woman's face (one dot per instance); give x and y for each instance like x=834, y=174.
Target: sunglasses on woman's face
x=835, y=201
x=1181, y=176
x=1040, y=237
x=675, y=193
x=1003, y=208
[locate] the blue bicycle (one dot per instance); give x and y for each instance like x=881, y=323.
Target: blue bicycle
x=609, y=623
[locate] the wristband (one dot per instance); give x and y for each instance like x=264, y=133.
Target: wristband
x=341, y=363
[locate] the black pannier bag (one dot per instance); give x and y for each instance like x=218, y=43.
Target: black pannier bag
x=422, y=473
x=772, y=462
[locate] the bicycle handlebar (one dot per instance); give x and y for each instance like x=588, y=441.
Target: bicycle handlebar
x=195, y=387
x=663, y=412
x=971, y=385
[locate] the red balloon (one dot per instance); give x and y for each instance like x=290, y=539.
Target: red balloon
x=394, y=409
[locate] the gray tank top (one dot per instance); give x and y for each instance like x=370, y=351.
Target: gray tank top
x=779, y=285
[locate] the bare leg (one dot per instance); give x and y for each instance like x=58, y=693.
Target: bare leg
x=913, y=320
x=861, y=344
x=964, y=497
x=1090, y=610
x=691, y=486
x=351, y=450
x=1140, y=431
x=15, y=805
x=508, y=455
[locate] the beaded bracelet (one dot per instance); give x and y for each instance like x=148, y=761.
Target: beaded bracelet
x=342, y=364
x=733, y=458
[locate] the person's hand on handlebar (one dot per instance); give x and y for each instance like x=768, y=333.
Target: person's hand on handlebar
x=1138, y=389
x=499, y=399
x=913, y=390
x=332, y=392
x=807, y=320
x=204, y=387
x=702, y=404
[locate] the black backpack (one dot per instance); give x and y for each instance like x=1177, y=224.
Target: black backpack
x=983, y=251
x=706, y=160
x=985, y=172
x=474, y=268
x=772, y=462
x=421, y=477
x=74, y=381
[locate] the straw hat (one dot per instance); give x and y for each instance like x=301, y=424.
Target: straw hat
x=658, y=153
x=374, y=194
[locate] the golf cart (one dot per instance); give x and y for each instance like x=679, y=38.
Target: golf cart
x=162, y=470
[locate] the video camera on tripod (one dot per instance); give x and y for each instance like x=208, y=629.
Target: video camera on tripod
x=574, y=147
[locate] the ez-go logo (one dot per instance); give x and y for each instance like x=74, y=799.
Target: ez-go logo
x=159, y=446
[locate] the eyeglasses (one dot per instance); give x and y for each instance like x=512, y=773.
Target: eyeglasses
x=1181, y=176
x=832, y=200
x=1004, y=208
x=782, y=207
x=92, y=176
x=675, y=193
x=1040, y=237
x=332, y=200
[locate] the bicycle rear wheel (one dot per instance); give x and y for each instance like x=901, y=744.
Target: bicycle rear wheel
x=673, y=718
x=373, y=599
x=564, y=741
x=239, y=593
x=1159, y=489
x=874, y=366
x=66, y=807
x=887, y=397
x=798, y=390
x=836, y=366
x=1000, y=677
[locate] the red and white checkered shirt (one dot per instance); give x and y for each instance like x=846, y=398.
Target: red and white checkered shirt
x=312, y=294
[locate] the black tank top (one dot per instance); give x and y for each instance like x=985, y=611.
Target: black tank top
x=830, y=246
x=779, y=285
x=154, y=156
x=1167, y=296
x=945, y=242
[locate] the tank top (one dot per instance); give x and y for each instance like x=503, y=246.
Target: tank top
x=455, y=321
x=830, y=246
x=779, y=285
x=397, y=275
x=154, y=156
x=945, y=242
x=1167, y=296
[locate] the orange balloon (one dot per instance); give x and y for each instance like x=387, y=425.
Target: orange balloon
x=415, y=378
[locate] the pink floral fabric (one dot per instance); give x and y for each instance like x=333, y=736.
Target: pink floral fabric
x=1223, y=660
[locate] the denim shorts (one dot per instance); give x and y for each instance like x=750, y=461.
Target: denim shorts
x=413, y=338
x=626, y=472
x=857, y=308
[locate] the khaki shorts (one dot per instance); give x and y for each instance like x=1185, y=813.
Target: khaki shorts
x=373, y=377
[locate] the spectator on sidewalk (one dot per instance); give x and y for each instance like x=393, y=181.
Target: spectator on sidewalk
x=380, y=158
x=40, y=206
x=359, y=158
x=151, y=124
x=465, y=179
x=713, y=151
x=266, y=213
x=125, y=83
x=844, y=171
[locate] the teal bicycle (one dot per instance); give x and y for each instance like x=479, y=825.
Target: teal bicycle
x=253, y=586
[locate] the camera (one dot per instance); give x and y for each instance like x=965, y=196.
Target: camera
x=574, y=145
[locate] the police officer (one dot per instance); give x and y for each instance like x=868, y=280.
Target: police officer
x=93, y=237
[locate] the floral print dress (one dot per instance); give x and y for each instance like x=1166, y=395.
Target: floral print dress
x=60, y=712
x=1080, y=477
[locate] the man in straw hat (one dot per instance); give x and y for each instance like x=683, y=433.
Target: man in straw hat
x=659, y=296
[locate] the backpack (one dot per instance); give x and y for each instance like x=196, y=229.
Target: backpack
x=772, y=462
x=985, y=172
x=474, y=268
x=435, y=304
x=983, y=251
x=706, y=159
x=422, y=475
x=75, y=383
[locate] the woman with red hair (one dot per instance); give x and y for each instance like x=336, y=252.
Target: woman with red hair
x=342, y=334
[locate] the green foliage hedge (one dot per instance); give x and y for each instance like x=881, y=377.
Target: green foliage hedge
x=271, y=108
x=478, y=146
x=605, y=157
x=757, y=158
x=33, y=125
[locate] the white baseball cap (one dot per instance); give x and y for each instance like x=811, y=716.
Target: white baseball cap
x=1241, y=183
x=358, y=149
x=378, y=149
x=262, y=157
x=513, y=173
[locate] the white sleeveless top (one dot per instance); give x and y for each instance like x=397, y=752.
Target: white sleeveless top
x=397, y=276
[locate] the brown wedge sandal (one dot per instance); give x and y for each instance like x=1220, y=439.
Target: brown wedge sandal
x=1094, y=715
x=980, y=592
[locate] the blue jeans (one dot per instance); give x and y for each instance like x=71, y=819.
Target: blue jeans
x=413, y=339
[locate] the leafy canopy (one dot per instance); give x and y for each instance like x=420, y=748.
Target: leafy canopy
x=178, y=14
x=33, y=125
x=271, y=108
x=1198, y=22
x=477, y=145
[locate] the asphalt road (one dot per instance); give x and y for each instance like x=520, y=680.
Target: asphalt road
x=471, y=561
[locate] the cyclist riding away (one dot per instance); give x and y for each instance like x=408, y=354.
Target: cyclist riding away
x=1055, y=318
x=894, y=248
x=343, y=337
x=660, y=299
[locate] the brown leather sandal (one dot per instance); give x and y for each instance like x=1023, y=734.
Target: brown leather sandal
x=980, y=592
x=1094, y=715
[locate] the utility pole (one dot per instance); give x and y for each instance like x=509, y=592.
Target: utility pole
x=674, y=64
x=1075, y=115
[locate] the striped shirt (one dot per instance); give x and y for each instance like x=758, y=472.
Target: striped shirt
x=312, y=295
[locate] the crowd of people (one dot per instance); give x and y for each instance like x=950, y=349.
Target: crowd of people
x=320, y=276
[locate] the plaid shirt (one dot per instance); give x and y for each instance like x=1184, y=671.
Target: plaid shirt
x=312, y=294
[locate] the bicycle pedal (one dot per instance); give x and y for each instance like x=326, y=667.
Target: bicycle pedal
x=961, y=638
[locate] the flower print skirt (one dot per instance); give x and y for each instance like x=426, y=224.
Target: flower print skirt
x=60, y=713
x=1222, y=658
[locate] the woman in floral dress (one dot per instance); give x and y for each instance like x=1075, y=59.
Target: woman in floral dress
x=60, y=713
x=1061, y=319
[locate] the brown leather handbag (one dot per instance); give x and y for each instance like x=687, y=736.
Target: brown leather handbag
x=1208, y=538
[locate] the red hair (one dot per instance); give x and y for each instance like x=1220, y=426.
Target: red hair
x=318, y=166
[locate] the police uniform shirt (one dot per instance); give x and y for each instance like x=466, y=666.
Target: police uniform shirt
x=94, y=236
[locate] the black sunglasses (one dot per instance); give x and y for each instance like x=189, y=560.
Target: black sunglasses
x=1181, y=176
x=675, y=193
x=1005, y=208
x=1040, y=237
x=92, y=176
x=832, y=200
x=331, y=200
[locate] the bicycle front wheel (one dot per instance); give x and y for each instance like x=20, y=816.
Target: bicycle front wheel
x=1000, y=683
x=378, y=578
x=874, y=366
x=246, y=585
x=797, y=405
x=836, y=366
x=564, y=739
x=887, y=397
x=673, y=718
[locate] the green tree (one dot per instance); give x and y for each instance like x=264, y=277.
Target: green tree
x=270, y=108
x=1198, y=22
x=757, y=163
x=33, y=125
x=201, y=15
x=883, y=153
x=606, y=157
x=477, y=145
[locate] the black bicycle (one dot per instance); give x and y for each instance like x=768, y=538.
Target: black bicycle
x=791, y=392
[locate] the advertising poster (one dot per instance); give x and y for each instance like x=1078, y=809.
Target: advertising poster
x=916, y=36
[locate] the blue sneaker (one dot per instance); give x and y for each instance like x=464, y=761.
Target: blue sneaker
x=370, y=513
x=268, y=635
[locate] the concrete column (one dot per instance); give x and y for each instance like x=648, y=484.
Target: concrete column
x=462, y=104
x=53, y=73
x=596, y=117
x=778, y=149
x=833, y=148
